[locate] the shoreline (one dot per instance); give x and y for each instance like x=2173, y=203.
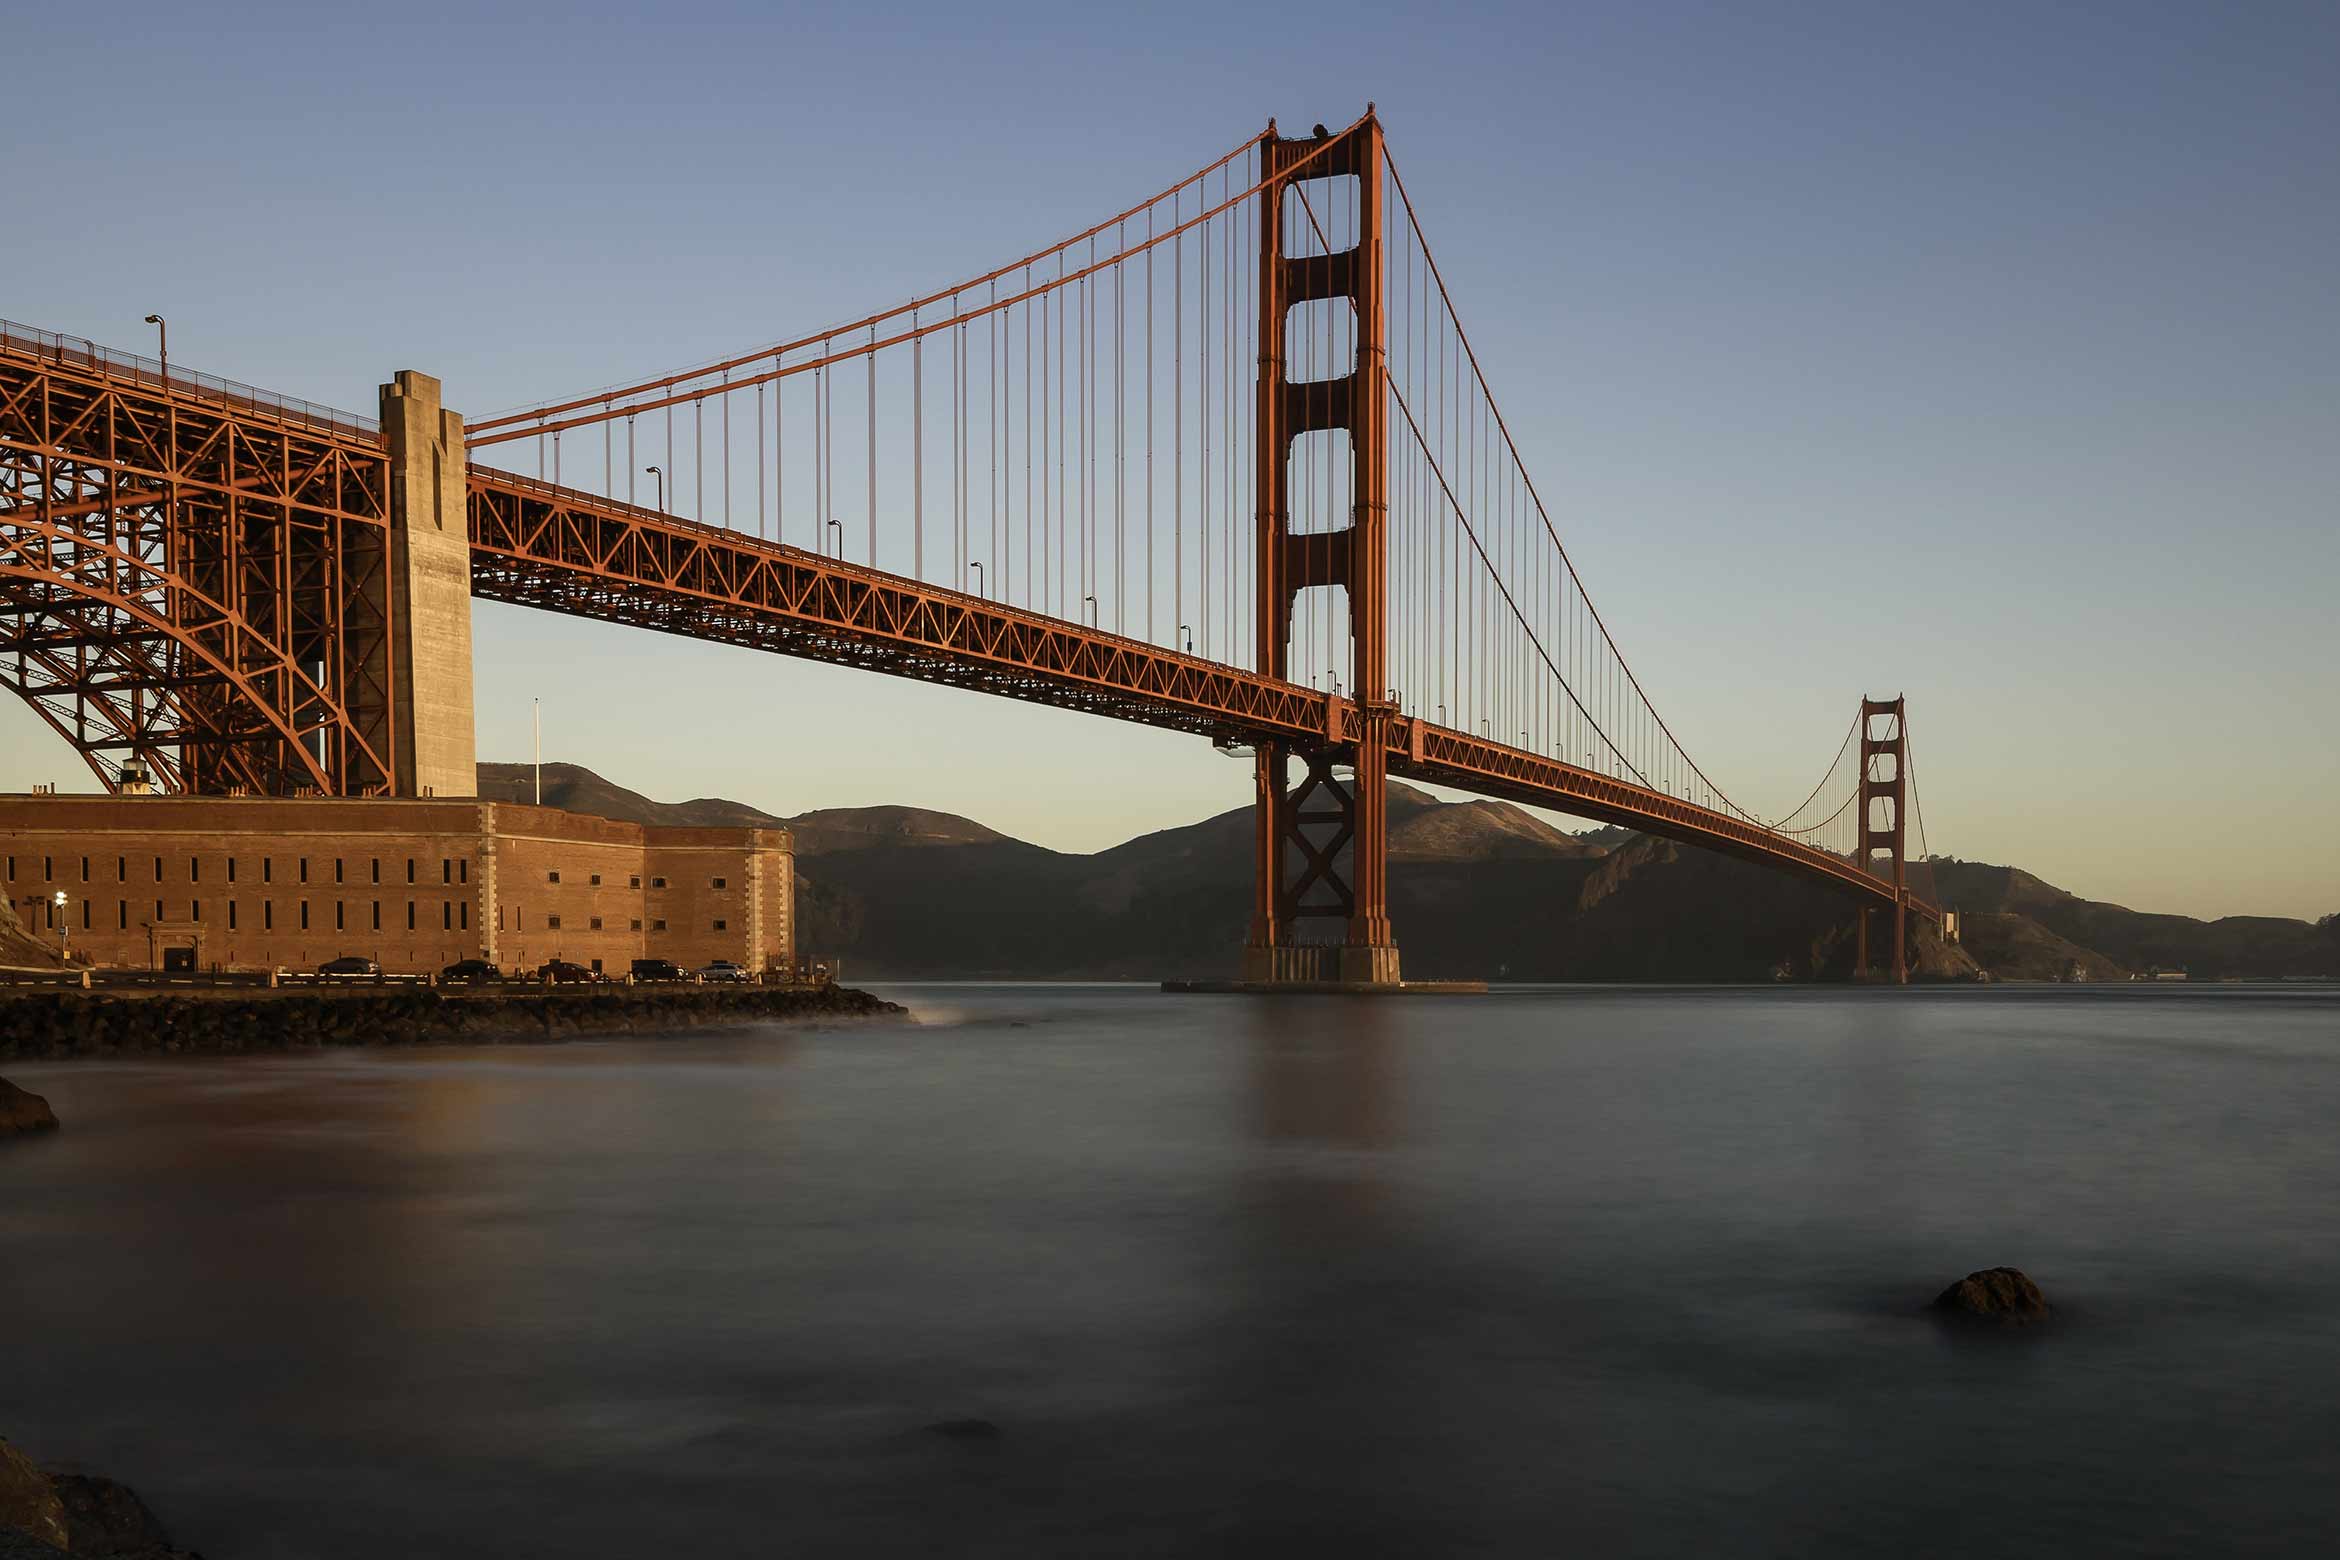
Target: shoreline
x=48, y=1024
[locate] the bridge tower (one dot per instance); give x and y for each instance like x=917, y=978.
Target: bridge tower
x=1304, y=833
x=1884, y=795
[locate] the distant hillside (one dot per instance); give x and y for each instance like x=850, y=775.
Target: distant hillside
x=2235, y=946
x=1478, y=889
x=578, y=789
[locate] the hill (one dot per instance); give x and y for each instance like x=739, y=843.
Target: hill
x=1478, y=889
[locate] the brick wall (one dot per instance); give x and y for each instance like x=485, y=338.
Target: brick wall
x=255, y=883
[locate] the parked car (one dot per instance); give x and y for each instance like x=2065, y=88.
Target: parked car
x=659, y=969
x=561, y=972
x=724, y=969
x=470, y=970
x=349, y=964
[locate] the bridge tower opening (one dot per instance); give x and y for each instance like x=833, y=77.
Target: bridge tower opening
x=1884, y=793
x=1322, y=846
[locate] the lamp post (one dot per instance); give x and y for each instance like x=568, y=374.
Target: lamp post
x=661, y=476
x=1189, y=633
x=1089, y=610
x=163, y=329
x=838, y=526
x=64, y=931
x=976, y=569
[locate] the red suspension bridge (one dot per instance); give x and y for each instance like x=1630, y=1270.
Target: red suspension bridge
x=1225, y=463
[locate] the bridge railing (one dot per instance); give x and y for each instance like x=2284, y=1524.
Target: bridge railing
x=49, y=346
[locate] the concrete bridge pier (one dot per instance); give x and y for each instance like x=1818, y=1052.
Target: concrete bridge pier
x=430, y=590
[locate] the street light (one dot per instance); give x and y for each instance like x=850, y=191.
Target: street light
x=976, y=569
x=1189, y=633
x=162, y=327
x=64, y=931
x=838, y=526
x=661, y=476
x=1088, y=610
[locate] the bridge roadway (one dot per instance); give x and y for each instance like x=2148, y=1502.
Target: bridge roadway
x=558, y=549
x=538, y=545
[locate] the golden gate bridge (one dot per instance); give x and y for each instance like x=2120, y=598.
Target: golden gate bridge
x=1225, y=462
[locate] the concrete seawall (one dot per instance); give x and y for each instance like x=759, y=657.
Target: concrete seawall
x=45, y=1024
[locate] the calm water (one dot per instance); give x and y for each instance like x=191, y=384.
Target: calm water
x=1602, y=1271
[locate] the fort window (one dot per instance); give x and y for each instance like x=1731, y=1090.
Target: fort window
x=552, y=923
x=446, y=917
x=633, y=882
x=722, y=926
x=658, y=882
x=464, y=914
x=594, y=881
x=194, y=869
x=339, y=921
x=267, y=869
x=377, y=915
x=231, y=869
x=267, y=915
x=446, y=870
x=595, y=924
x=658, y=926
x=122, y=914
x=377, y=869
x=49, y=869
x=121, y=869
x=337, y=869
x=410, y=869
x=304, y=869
x=85, y=869
x=85, y=914
x=410, y=915
x=304, y=915
x=463, y=870
x=637, y=926
x=721, y=882
x=194, y=909
x=158, y=869
x=231, y=915
x=158, y=911
x=552, y=877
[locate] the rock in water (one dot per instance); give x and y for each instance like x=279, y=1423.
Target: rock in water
x=23, y=1111
x=105, y=1518
x=28, y=1501
x=2002, y=1294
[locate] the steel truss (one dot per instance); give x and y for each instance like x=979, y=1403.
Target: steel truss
x=190, y=583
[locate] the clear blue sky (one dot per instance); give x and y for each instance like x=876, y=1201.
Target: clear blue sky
x=1986, y=353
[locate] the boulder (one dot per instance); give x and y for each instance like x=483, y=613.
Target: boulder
x=2001, y=1295
x=29, y=1502
x=105, y=1518
x=23, y=1111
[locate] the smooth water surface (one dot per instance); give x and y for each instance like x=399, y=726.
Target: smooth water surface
x=1630, y=1271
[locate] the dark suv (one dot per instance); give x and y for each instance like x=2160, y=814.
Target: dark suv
x=349, y=964
x=561, y=972
x=659, y=969
x=467, y=970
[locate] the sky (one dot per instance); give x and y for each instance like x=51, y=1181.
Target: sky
x=1988, y=355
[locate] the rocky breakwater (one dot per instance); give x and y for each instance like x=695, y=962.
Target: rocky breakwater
x=62, y=1024
x=47, y=1512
